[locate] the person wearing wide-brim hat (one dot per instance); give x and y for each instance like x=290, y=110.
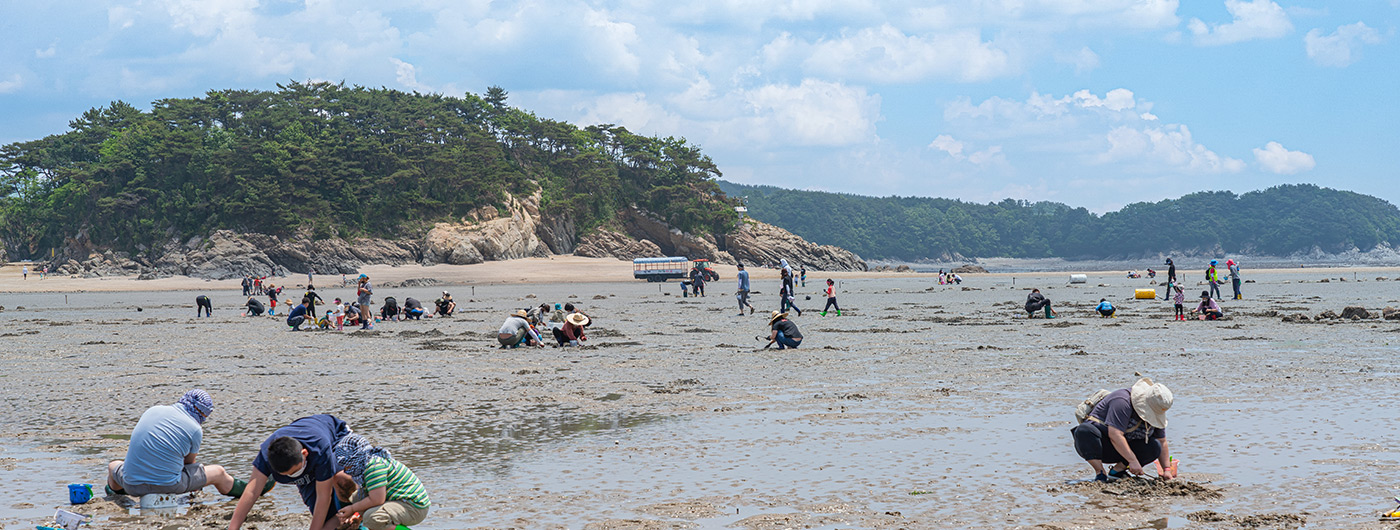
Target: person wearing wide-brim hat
x=571, y=332
x=784, y=332
x=1127, y=428
x=1208, y=309
x=516, y=331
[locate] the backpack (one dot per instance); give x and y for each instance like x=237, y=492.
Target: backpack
x=1081, y=412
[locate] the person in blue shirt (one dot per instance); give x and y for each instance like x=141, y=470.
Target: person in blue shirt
x=297, y=316
x=743, y=292
x=163, y=449
x=1105, y=308
x=301, y=454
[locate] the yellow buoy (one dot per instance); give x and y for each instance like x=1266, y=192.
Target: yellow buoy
x=1145, y=294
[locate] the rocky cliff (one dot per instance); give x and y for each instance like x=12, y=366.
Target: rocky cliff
x=517, y=230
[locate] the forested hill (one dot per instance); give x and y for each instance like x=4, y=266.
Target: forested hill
x=1279, y=221
x=325, y=160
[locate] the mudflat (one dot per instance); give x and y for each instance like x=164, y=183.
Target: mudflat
x=922, y=406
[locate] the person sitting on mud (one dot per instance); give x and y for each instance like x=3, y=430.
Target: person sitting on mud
x=301, y=454
x=572, y=331
x=412, y=308
x=161, y=456
x=1105, y=308
x=445, y=305
x=203, y=307
x=1127, y=428
x=297, y=316
x=1035, y=302
x=1208, y=308
x=784, y=332
x=255, y=307
x=389, y=312
x=516, y=331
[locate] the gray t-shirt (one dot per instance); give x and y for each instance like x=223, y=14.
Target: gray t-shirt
x=1116, y=410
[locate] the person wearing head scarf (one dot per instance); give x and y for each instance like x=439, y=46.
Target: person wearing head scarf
x=1234, y=268
x=389, y=493
x=164, y=446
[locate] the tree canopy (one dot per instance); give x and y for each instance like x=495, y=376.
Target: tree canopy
x=1278, y=221
x=333, y=160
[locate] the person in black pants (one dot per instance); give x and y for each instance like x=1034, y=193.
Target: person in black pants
x=203, y=307
x=1128, y=429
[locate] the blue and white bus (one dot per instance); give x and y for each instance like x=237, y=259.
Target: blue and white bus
x=660, y=269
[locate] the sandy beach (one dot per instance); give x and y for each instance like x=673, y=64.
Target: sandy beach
x=922, y=406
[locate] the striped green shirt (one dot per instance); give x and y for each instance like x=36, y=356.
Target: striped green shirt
x=400, y=483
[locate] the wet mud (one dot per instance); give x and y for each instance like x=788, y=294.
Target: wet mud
x=921, y=407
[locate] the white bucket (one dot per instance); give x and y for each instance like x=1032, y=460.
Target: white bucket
x=163, y=503
x=69, y=520
x=1078, y=278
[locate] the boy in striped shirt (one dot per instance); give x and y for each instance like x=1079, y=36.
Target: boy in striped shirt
x=390, y=495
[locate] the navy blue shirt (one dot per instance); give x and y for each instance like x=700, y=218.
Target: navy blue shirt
x=318, y=435
x=298, y=311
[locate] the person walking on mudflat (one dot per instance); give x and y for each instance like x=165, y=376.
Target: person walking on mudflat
x=1126, y=428
x=742, y=293
x=1234, y=277
x=1171, y=278
x=1213, y=278
x=830, y=298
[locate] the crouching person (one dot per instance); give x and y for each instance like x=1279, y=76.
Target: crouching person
x=1127, y=429
x=388, y=494
x=164, y=445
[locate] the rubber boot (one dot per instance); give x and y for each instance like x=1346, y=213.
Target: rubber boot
x=1047, y=312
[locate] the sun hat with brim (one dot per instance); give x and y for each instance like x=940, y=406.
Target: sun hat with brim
x=1205, y=294
x=520, y=313
x=1151, y=401
x=577, y=319
x=776, y=316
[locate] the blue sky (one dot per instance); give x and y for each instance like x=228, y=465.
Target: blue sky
x=1094, y=103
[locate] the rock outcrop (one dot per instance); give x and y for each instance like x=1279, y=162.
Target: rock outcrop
x=488, y=234
x=765, y=244
x=1390, y=313
x=969, y=269
x=641, y=224
x=1355, y=313
x=609, y=244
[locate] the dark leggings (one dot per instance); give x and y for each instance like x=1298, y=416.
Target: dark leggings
x=1180, y=311
x=830, y=303
x=1092, y=443
x=203, y=307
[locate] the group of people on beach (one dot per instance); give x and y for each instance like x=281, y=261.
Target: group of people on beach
x=1207, y=309
x=565, y=323
x=344, y=480
x=337, y=314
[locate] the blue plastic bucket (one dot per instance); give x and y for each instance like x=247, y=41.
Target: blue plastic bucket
x=79, y=493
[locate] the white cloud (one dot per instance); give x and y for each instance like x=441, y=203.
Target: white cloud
x=1274, y=158
x=1342, y=47
x=46, y=53
x=813, y=113
x=1083, y=60
x=15, y=82
x=1113, y=130
x=886, y=54
x=1256, y=19
x=948, y=145
x=407, y=75
x=1043, y=15
x=1169, y=145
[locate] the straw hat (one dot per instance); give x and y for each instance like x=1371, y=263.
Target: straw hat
x=577, y=319
x=520, y=313
x=1151, y=401
x=776, y=316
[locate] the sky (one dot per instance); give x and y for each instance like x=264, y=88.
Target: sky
x=1093, y=103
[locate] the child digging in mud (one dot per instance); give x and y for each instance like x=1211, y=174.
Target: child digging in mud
x=389, y=495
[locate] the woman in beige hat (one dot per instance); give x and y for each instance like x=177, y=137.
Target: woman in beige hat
x=784, y=332
x=571, y=332
x=1127, y=428
x=516, y=331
